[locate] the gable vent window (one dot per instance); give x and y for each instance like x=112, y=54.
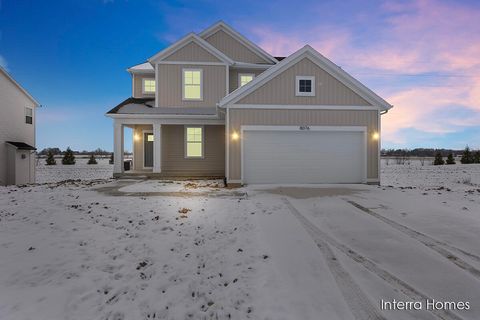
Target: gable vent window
x=29, y=115
x=305, y=86
x=148, y=86
x=192, y=84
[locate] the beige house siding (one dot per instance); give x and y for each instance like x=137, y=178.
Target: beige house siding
x=12, y=122
x=170, y=85
x=281, y=89
x=174, y=163
x=233, y=75
x=138, y=85
x=233, y=48
x=367, y=118
x=192, y=52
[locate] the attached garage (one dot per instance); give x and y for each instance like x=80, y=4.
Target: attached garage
x=303, y=154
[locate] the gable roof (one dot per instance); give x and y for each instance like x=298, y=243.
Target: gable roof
x=191, y=37
x=323, y=63
x=20, y=87
x=240, y=38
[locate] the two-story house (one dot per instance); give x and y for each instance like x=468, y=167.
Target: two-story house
x=214, y=104
x=17, y=132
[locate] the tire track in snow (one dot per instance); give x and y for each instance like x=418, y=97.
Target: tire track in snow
x=399, y=285
x=429, y=242
x=358, y=302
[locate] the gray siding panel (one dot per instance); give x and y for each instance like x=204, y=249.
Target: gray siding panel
x=233, y=75
x=137, y=85
x=173, y=154
x=170, y=85
x=281, y=89
x=233, y=48
x=192, y=52
x=367, y=118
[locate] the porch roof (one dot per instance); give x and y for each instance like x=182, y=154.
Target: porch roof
x=146, y=106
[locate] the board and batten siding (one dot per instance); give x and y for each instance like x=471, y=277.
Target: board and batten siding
x=170, y=85
x=174, y=163
x=192, y=52
x=300, y=117
x=281, y=89
x=138, y=85
x=233, y=48
x=233, y=75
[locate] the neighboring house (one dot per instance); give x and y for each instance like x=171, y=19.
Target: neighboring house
x=17, y=132
x=214, y=104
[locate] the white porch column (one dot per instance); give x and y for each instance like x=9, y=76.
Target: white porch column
x=157, y=147
x=117, y=148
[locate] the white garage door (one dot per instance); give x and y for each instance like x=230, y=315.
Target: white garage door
x=296, y=156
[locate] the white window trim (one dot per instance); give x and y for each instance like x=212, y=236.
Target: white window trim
x=143, y=86
x=185, y=141
x=183, y=84
x=26, y=115
x=143, y=147
x=297, y=86
x=244, y=74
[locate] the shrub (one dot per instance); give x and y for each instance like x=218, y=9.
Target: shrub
x=50, y=161
x=92, y=159
x=476, y=157
x=450, y=159
x=68, y=157
x=438, y=159
x=467, y=156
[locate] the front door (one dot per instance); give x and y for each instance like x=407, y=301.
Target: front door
x=147, y=150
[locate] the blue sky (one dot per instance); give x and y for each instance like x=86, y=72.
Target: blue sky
x=72, y=55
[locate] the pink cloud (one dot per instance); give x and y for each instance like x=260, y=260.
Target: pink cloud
x=421, y=36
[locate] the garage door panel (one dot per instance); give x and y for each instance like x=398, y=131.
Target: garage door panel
x=303, y=156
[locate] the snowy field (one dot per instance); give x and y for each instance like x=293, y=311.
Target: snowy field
x=81, y=170
x=128, y=249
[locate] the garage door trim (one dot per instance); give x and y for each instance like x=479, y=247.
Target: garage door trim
x=244, y=128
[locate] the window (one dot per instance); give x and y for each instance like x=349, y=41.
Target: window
x=28, y=115
x=305, y=86
x=244, y=78
x=192, y=84
x=148, y=86
x=193, y=142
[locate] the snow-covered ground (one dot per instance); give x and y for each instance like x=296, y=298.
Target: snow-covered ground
x=127, y=249
x=81, y=170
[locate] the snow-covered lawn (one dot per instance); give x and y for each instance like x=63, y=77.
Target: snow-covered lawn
x=127, y=249
x=81, y=170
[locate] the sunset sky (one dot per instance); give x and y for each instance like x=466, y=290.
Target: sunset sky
x=422, y=56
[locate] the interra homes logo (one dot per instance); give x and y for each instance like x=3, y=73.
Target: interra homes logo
x=428, y=304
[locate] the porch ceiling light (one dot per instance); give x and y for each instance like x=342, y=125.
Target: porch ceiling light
x=235, y=136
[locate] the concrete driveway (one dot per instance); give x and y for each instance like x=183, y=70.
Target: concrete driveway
x=339, y=251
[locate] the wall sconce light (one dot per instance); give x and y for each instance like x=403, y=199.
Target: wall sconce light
x=235, y=136
x=136, y=137
x=375, y=136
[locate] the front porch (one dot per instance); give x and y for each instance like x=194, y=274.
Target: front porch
x=160, y=149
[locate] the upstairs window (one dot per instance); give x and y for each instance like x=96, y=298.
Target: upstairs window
x=305, y=86
x=244, y=78
x=192, y=84
x=193, y=142
x=148, y=86
x=28, y=115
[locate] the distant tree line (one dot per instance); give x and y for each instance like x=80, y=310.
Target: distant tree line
x=468, y=157
x=57, y=151
x=419, y=152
